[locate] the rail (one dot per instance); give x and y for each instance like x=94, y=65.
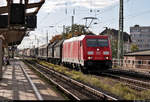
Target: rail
x=131, y=82
x=83, y=86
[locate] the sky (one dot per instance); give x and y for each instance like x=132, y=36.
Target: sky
x=57, y=13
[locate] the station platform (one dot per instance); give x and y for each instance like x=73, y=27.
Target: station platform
x=16, y=86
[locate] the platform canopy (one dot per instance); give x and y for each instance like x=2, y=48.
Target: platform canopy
x=13, y=35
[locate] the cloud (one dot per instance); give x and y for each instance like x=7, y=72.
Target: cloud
x=95, y=3
x=51, y=5
x=2, y=2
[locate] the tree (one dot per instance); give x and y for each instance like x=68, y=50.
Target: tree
x=134, y=48
x=56, y=38
x=77, y=31
x=114, y=47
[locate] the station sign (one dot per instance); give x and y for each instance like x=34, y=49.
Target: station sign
x=3, y=21
x=17, y=14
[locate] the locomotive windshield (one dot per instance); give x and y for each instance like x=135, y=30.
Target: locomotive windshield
x=97, y=42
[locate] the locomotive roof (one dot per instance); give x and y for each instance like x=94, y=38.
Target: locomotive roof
x=79, y=38
x=75, y=39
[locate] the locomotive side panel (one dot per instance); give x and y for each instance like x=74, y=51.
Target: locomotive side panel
x=72, y=52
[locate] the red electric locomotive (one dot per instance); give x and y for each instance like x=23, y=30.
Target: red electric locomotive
x=88, y=52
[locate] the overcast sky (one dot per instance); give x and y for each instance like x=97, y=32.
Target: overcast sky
x=58, y=13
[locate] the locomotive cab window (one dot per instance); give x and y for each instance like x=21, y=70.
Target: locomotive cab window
x=91, y=42
x=97, y=42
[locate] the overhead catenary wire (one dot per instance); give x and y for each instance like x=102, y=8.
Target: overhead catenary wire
x=111, y=7
x=128, y=17
x=99, y=14
x=107, y=10
x=66, y=10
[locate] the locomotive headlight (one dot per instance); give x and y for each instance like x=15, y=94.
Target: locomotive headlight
x=98, y=49
x=90, y=58
x=106, y=52
x=107, y=58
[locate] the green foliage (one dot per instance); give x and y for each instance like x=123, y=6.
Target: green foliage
x=134, y=48
x=76, y=29
x=146, y=94
x=124, y=92
x=114, y=47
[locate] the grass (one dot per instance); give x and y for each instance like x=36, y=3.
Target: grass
x=116, y=66
x=116, y=88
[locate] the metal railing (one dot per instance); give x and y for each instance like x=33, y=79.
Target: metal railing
x=131, y=63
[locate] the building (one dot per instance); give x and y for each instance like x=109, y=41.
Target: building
x=139, y=59
x=113, y=35
x=140, y=35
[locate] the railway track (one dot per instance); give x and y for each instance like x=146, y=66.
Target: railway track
x=131, y=80
x=132, y=74
x=74, y=89
x=132, y=83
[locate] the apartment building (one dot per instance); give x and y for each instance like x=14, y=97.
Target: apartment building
x=140, y=35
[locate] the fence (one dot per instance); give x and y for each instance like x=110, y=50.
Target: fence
x=131, y=63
